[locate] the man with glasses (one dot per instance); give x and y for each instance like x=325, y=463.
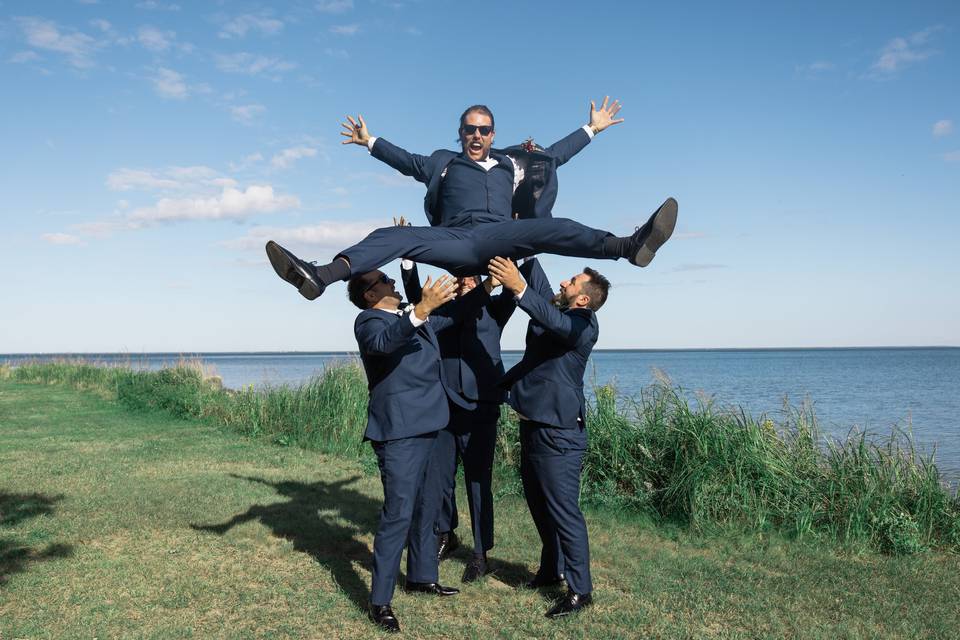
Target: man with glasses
x=408, y=405
x=478, y=185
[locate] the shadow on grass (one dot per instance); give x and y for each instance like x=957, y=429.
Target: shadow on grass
x=323, y=519
x=14, y=509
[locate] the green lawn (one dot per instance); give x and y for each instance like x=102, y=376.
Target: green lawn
x=117, y=524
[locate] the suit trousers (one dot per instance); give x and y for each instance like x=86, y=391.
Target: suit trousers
x=466, y=251
x=407, y=517
x=470, y=437
x=551, y=460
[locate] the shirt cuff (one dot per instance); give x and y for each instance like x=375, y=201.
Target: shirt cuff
x=517, y=296
x=414, y=320
x=585, y=127
x=373, y=140
x=406, y=265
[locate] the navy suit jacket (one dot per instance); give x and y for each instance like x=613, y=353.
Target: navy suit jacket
x=429, y=170
x=408, y=396
x=470, y=352
x=547, y=384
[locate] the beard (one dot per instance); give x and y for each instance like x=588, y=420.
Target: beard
x=559, y=301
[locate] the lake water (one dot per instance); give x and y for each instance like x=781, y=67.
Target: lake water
x=873, y=389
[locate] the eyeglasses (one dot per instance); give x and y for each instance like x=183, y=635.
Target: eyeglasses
x=470, y=129
x=382, y=279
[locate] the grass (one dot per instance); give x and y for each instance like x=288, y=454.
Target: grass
x=702, y=467
x=119, y=523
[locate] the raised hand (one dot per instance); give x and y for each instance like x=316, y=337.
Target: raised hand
x=402, y=222
x=603, y=117
x=356, y=131
x=504, y=270
x=435, y=294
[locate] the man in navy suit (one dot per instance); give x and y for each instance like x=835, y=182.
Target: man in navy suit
x=472, y=366
x=408, y=405
x=478, y=184
x=546, y=391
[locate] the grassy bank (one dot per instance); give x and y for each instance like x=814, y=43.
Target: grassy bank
x=121, y=524
x=701, y=467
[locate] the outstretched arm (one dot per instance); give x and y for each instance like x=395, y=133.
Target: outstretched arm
x=600, y=119
x=409, y=164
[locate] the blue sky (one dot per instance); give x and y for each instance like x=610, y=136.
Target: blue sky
x=152, y=147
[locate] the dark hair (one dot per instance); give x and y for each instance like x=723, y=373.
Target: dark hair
x=597, y=287
x=480, y=108
x=355, y=290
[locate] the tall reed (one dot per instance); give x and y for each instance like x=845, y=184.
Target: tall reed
x=700, y=465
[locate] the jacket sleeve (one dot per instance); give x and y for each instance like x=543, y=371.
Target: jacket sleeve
x=536, y=279
x=409, y=164
x=378, y=336
x=501, y=308
x=567, y=147
x=569, y=328
x=411, y=284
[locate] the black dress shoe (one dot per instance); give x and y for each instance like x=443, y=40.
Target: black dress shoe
x=300, y=274
x=430, y=587
x=647, y=239
x=447, y=543
x=382, y=615
x=541, y=582
x=475, y=569
x=569, y=603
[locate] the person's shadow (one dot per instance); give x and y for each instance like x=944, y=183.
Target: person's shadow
x=15, y=508
x=313, y=520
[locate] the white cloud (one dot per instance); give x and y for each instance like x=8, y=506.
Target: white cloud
x=153, y=5
x=246, y=113
x=903, y=51
x=62, y=239
x=253, y=64
x=247, y=162
x=334, y=6
x=44, y=34
x=169, y=179
x=286, y=158
x=169, y=84
x=155, y=40
x=24, y=56
x=241, y=25
x=102, y=24
x=345, y=29
x=332, y=235
x=231, y=204
x=942, y=128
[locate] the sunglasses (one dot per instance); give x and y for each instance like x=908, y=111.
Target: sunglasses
x=470, y=129
x=384, y=278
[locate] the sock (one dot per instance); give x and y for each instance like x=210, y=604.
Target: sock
x=330, y=273
x=614, y=246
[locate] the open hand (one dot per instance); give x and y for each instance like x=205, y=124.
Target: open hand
x=504, y=270
x=356, y=131
x=603, y=117
x=435, y=294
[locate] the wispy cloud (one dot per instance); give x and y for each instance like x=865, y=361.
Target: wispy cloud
x=247, y=113
x=154, y=39
x=78, y=47
x=21, y=57
x=332, y=235
x=246, y=162
x=337, y=53
x=167, y=179
x=62, y=239
x=942, y=128
x=230, y=204
x=253, y=64
x=902, y=52
x=288, y=157
x=240, y=26
x=345, y=29
x=170, y=84
x=815, y=68
x=153, y=5
x=952, y=156
x=334, y=6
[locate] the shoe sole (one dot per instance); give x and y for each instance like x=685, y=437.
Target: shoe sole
x=663, y=221
x=287, y=268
